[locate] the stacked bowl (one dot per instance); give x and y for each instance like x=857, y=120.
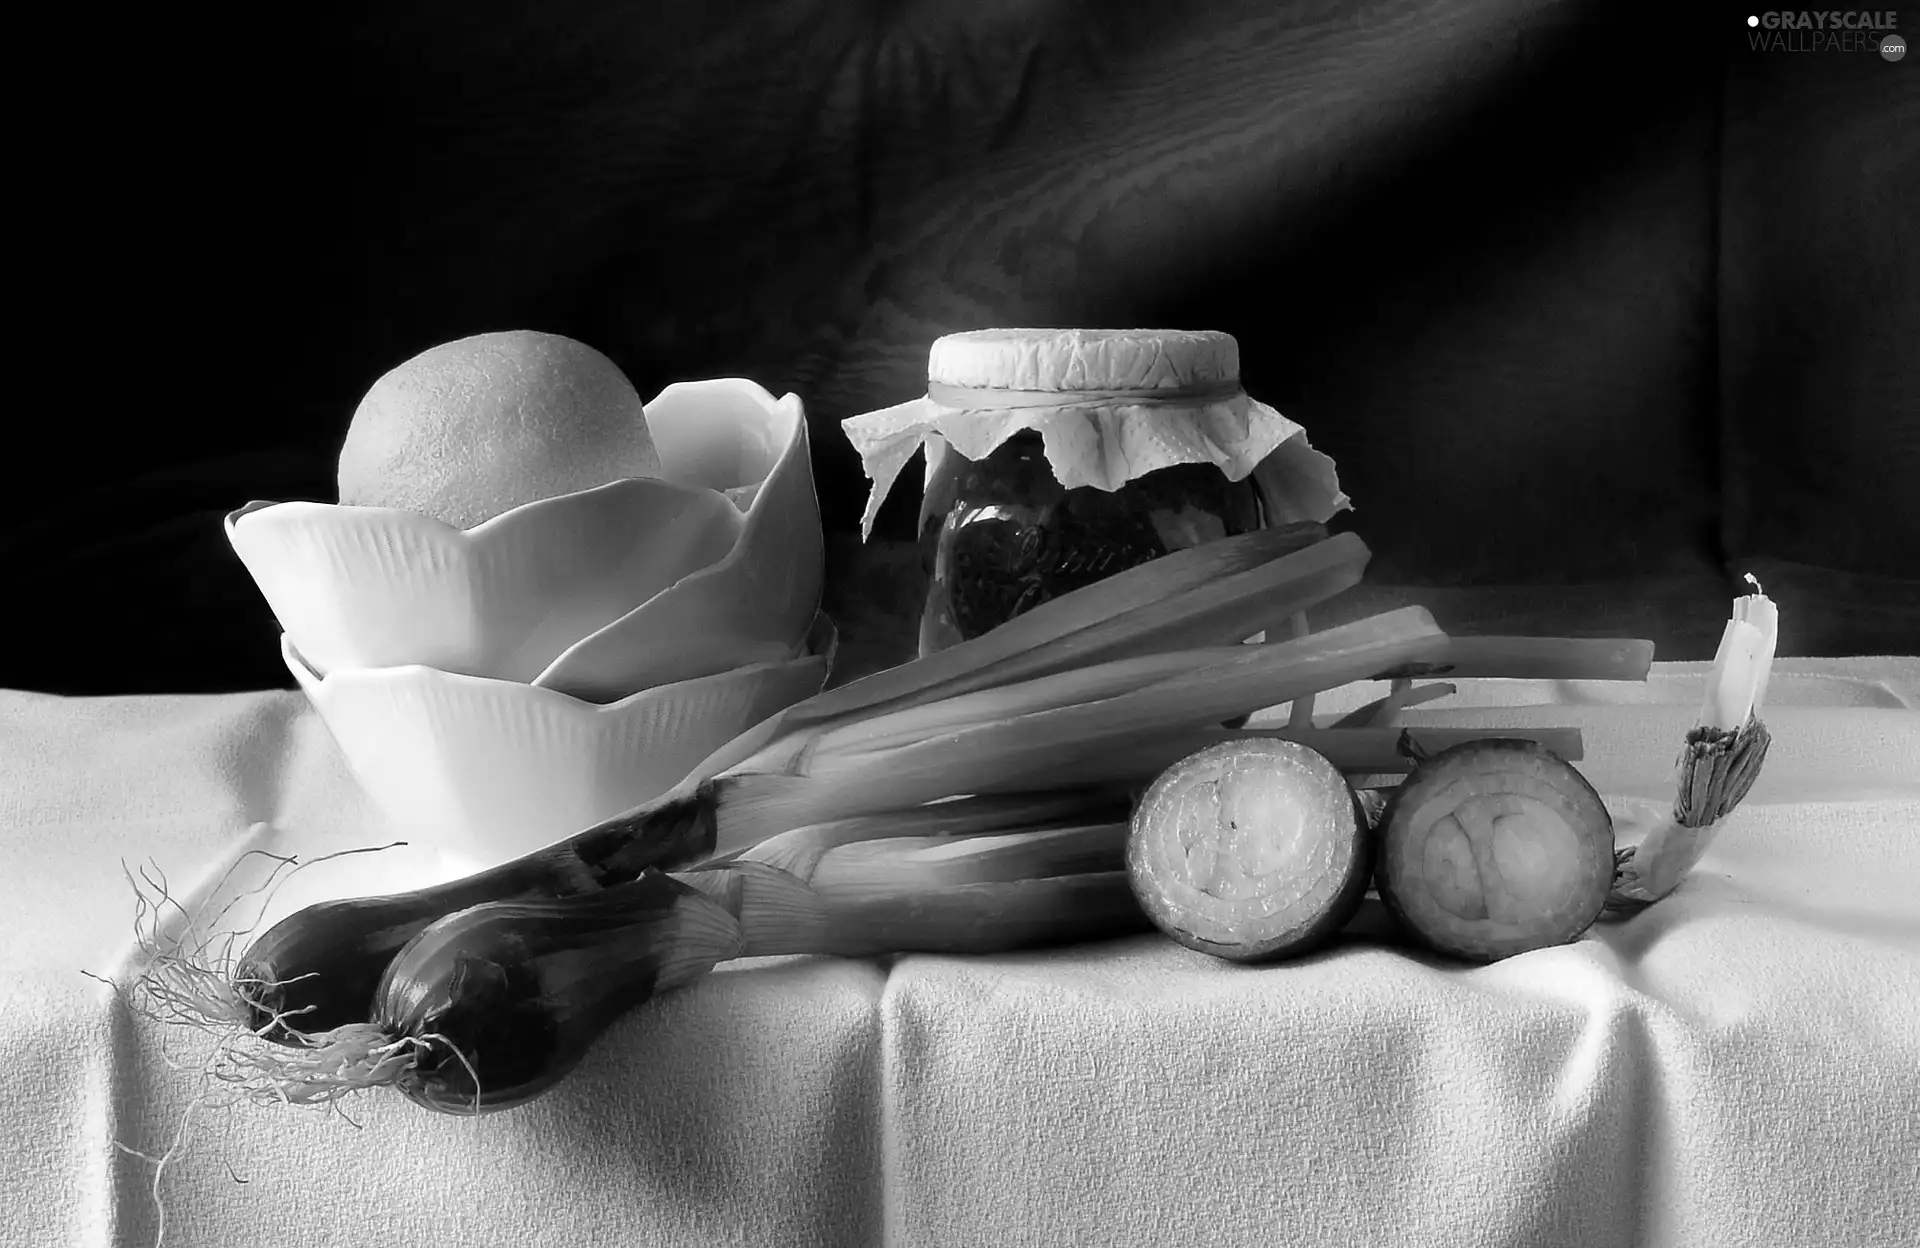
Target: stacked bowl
x=499, y=687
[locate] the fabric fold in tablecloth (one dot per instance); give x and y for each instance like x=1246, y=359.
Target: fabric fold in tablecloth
x=1738, y=1065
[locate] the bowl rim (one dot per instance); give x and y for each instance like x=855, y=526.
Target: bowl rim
x=819, y=645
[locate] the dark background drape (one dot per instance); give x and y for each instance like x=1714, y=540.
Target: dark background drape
x=1597, y=306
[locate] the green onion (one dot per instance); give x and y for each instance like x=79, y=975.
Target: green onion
x=317, y=969
x=489, y=1007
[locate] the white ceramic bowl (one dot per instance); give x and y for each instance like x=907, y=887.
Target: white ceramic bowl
x=371, y=587
x=595, y=594
x=488, y=770
x=732, y=436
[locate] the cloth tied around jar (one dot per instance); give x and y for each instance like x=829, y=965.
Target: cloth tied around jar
x=1104, y=439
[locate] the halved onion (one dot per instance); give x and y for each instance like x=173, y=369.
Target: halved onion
x=1249, y=850
x=1495, y=847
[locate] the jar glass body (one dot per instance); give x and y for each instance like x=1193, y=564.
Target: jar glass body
x=1001, y=535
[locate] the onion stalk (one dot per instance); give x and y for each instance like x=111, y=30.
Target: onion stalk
x=1157, y=641
x=1210, y=594
x=1401, y=695
x=1538, y=658
x=1356, y=751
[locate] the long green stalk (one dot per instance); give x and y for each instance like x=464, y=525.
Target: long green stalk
x=929, y=895
x=800, y=850
x=1357, y=751
x=1224, y=611
x=1018, y=753
x=1097, y=682
x=1538, y=658
x=943, y=862
x=1197, y=596
x=1160, y=640
x=1072, y=628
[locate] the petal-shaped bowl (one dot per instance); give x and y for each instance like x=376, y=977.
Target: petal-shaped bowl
x=729, y=435
x=488, y=770
x=371, y=587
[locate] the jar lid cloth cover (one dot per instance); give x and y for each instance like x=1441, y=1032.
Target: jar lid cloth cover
x=1109, y=405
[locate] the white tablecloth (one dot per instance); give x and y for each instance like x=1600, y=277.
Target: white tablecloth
x=1738, y=1066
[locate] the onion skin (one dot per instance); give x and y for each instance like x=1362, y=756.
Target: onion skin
x=317, y=969
x=514, y=993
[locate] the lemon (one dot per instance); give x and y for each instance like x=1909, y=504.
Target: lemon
x=470, y=429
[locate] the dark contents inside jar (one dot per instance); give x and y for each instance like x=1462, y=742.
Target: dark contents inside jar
x=1001, y=536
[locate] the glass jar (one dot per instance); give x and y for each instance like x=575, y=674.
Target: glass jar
x=1001, y=535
